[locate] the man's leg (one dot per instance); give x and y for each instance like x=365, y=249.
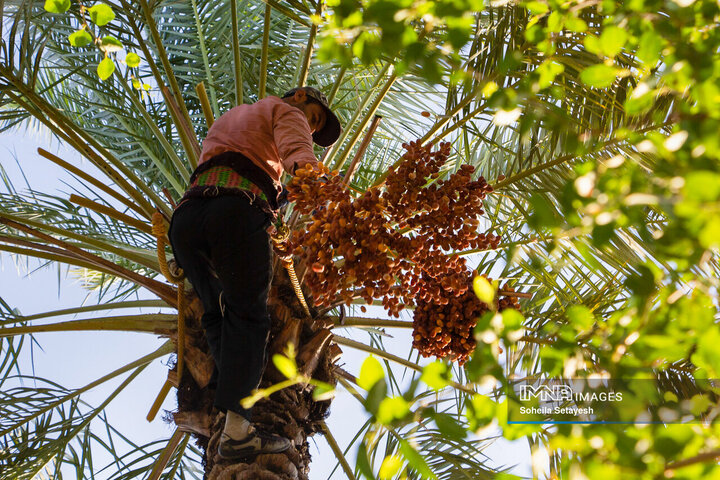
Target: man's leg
x=191, y=250
x=241, y=256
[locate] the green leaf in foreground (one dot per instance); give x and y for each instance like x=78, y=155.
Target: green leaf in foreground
x=599, y=76
x=651, y=44
x=548, y=70
x=484, y=290
x=391, y=409
x=436, y=375
x=537, y=8
x=323, y=391
x=362, y=462
x=613, y=40
x=390, y=467
x=57, y=6
x=79, y=38
x=448, y=425
x=581, y=318
x=132, y=60
x=285, y=365
x=110, y=44
x=371, y=372
x=101, y=14
x=105, y=68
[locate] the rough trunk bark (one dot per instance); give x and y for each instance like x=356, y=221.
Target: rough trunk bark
x=291, y=413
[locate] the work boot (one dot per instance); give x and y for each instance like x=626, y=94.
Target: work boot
x=253, y=444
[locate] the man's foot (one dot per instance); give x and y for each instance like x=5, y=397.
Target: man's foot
x=253, y=444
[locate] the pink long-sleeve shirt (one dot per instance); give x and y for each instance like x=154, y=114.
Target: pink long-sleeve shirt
x=273, y=134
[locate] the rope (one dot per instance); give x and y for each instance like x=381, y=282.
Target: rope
x=160, y=231
x=280, y=240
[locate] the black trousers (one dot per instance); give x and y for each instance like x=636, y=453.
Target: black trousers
x=222, y=245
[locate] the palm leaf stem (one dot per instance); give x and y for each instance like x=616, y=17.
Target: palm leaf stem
x=303, y=73
x=184, y=127
x=84, y=242
x=370, y=322
x=444, y=120
x=572, y=233
x=177, y=93
x=179, y=456
x=164, y=143
x=159, y=80
x=94, y=308
x=205, y=58
x=47, y=249
x=340, y=161
x=82, y=141
x=347, y=385
x=361, y=150
x=337, y=451
x=158, y=323
x=380, y=353
x=264, y=53
x=160, y=289
x=237, y=63
x=165, y=349
x=164, y=458
x=287, y=12
x=710, y=456
x=336, y=85
x=105, y=403
x=533, y=170
x=90, y=179
x=300, y=5
x=205, y=104
x=156, y=161
x=51, y=254
x=460, y=123
x=110, y=212
x=358, y=111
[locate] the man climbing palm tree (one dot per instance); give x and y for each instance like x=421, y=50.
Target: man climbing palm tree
x=220, y=240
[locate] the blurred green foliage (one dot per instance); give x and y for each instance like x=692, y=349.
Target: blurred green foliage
x=665, y=188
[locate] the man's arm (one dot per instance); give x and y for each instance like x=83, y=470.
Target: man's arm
x=293, y=139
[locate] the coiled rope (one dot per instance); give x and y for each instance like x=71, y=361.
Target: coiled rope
x=282, y=248
x=160, y=231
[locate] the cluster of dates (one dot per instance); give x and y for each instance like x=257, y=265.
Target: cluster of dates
x=394, y=242
x=446, y=330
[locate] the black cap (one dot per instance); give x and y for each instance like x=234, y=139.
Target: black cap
x=331, y=131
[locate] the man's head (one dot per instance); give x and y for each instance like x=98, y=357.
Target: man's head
x=323, y=123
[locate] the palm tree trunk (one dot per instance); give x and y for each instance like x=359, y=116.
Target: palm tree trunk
x=291, y=412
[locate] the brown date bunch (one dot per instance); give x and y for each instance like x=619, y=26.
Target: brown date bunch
x=393, y=242
x=445, y=329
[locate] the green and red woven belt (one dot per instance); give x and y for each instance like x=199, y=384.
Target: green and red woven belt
x=226, y=177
